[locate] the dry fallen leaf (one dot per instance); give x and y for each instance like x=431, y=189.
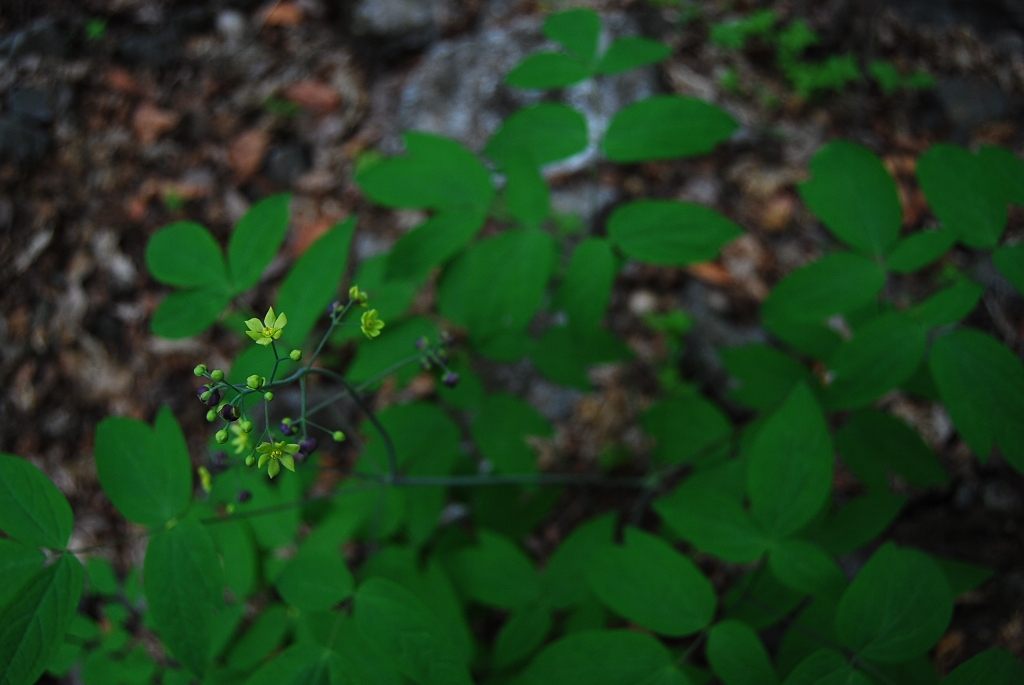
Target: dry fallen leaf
x=710, y=272
x=246, y=152
x=316, y=96
x=280, y=14
x=150, y=122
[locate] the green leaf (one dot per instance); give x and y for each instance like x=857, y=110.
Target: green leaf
x=541, y=134
x=563, y=357
x=897, y=607
x=186, y=255
x=17, y=564
x=433, y=242
x=1006, y=170
x=546, y=71
x=685, y=428
x=760, y=600
x=436, y=173
x=1010, y=262
x=64, y=660
x=237, y=548
x=498, y=284
x=962, y=576
x=397, y=342
x=713, y=522
x=146, y=473
x=825, y=667
x=32, y=509
x=577, y=30
x=501, y=430
x=766, y=375
x=810, y=338
x=390, y=293
x=102, y=579
x=872, y=442
x=630, y=53
x=565, y=578
x=649, y=583
x=737, y=656
x=313, y=281
x=950, y=305
x=857, y=522
x=522, y=634
x=33, y=622
x=882, y=355
x=526, y=193
x=256, y=238
x=982, y=385
x=920, y=249
x=496, y=573
x=189, y=312
x=587, y=288
x=835, y=284
x=315, y=580
x=666, y=127
x=789, y=471
x=599, y=657
x=424, y=437
x=960, y=190
x=806, y=567
x=261, y=638
x=184, y=589
x=991, y=667
x=853, y=194
x=399, y=627
x=670, y=233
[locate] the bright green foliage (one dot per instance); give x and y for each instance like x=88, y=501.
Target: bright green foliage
x=501, y=431
x=540, y=134
x=825, y=667
x=1010, y=262
x=18, y=563
x=605, y=657
x=184, y=254
x=982, y=385
x=652, y=585
x=993, y=667
x=806, y=567
x=963, y=192
x=686, y=428
x=835, y=284
x=146, y=472
x=101, y=576
x=737, y=656
x=522, y=634
x=626, y=54
x=496, y=573
x=714, y=522
x=920, y=249
x=1006, y=171
x=853, y=194
x=950, y=305
x=735, y=33
x=873, y=443
x=184, y=589
x=666, y=127
x=765, y=374
x=565, y=578
x=670, y=233
x=431, y=243
x=577, y=30
x=256, y=240
x=32, y=509
x=315, y=580
x=587, y=287
x=546, y=71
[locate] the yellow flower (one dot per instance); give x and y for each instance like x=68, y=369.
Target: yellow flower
x=205, y=480
x=240, y=443
x=357, y=295
x=269, y=330
x=371, y=323
x=277, y=453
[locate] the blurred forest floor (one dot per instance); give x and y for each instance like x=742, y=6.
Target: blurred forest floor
x=118, y=117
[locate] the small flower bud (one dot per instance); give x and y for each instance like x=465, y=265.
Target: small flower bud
x=246, y=426
x=203, y=392
x=217, y=375
x=333, y=307
x=244, y=496
x=446, y=338
x=218, y=460
x=229, y=412
x=421, y=344
x=451, y=379
x=211, y=415
x=295, y=355
x=221, y=436
x=268, y=396
x=253, y=382
x=307, y=446
x=250, y=460
x=286, y=427
x=205, y=479
x=199, y=370
x=425, y=364
x=338, y=436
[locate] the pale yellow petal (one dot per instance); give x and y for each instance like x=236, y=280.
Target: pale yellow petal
x=268, y=320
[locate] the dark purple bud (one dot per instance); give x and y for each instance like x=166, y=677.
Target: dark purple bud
x=287, y=428
x=421, y=344
x=307, y=446
x=203, y=389
x=218, y=460
x=229, y=412
x=451, y=379
x=214, y=399
x=244, y=496
x=333, y=307
x=446, y=338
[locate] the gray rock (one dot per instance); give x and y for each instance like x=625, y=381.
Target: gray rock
x=392, y=18
x=285, y=163
x=157, y=49
x=20, y=142
x=41, y=37
x=968, y=103
x=31, y=105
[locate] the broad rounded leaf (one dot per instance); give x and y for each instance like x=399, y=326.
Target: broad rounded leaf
x=18, y=563
x=540, y=134
x=882, y=355
x=960, y=190
x=32, y=509
x=145, y=472
x=435, y=173
x=713, y=522
x=32, y=624
x=184, y=589
x=991, y=667
x=789, y=471
x=853, y=194
x=526, y=193
x=648, y=582
x=873, y=442
x=1010, y=262
x=630, y=53
x=806, y=567
x=565, y=578
x=256, y=239
x=666, y=127
x=496, y=572
x=950, y=305
x=765, y=374
x=186, y=255
x=825, y=667
x=313, y=281
x=1006, y=171
x=599, y=657
x=522, y=634
x=920, y=249
x=982, y=385
x=670, y=233
x=501, y=430
x=835, y=284
x=686, y=428
x=587, y=287
x=186, y=313
x=315, y=580
x=857, y=522
x=737, y=656
x=577, y=30
x=545, y=71
x=897, y=607
x=433, y=242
